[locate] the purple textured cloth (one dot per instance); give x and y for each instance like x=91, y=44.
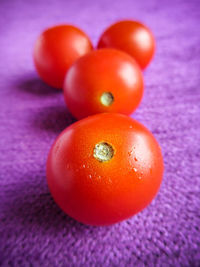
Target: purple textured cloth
x=33, y=230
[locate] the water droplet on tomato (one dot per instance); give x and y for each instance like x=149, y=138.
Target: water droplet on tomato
x=67, y=166
x=109, y=180
x=130, y=153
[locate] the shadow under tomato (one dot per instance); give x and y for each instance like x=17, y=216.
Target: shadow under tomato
x=36, y=209
x=34, y=85
x=54, y=118
x=51, y=113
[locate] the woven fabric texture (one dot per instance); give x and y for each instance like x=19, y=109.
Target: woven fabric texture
x=33, y=230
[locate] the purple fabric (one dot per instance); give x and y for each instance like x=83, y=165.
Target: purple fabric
x=33, y=230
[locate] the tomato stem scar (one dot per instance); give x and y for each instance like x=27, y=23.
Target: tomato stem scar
x=107, y=99
x=103, y=152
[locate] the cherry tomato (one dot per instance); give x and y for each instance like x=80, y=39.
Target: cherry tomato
x=105, y=80
x=104, y=169
x=56, y=49
x=131, y=37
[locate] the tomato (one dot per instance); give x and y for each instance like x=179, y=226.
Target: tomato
x=104, y=169
x=56, y=49
x=131, y=37
x=105, y=80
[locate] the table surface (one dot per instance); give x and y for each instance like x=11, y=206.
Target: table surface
x=33, y=230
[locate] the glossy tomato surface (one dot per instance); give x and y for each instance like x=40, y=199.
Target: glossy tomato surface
x=132, y=37
x=56, y=49
x=104, y=169
x=105, y=80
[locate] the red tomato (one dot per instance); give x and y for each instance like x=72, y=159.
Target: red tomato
x=104, y=169
x=105, y=80
x=56, y=49
x=131, y=37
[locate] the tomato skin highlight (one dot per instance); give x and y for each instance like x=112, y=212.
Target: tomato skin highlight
x=131, y=37
x=102, y=193
x=105, y=71
x=56, y=49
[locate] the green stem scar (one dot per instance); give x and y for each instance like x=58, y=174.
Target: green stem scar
x=103, y=152
x=107, y=99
